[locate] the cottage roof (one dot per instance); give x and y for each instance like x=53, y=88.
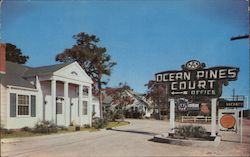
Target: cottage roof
x=16, y=74
x=44, y=70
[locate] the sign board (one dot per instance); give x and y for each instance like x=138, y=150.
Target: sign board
x=195, y=80
x=225, y=103
x=193, y=107
x=204, y=108
x=228, y=120
x=182, y=107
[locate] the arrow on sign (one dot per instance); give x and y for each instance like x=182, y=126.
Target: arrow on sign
x=183, y=92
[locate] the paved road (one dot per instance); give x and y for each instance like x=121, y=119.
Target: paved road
x=132, y=140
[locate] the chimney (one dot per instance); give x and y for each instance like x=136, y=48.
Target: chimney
x=2, y=58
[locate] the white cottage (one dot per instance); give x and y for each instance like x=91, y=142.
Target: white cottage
x=60, y=93
x=139, y=102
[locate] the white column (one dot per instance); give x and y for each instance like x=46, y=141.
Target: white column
x=213, y=117
x=90, y=105
x=172, y=117
x=80, y=104
x=53, y=100
x=66, y=104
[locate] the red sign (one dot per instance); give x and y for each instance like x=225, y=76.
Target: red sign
x=227, y=121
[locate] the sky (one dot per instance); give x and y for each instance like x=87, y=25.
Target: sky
x=143, y=36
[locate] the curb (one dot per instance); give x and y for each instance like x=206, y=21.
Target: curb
x=187, y=142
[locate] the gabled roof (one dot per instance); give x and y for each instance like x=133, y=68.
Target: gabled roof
x=44, y=70
x=138, y=96
x=13, y=76
x=16, y=74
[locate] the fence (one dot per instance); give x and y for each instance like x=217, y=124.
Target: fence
x=195, y=119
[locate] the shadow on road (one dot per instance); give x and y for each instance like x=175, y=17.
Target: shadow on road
x=234, y=141
x=135, y=132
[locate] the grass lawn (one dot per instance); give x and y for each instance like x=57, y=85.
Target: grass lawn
x=116, y=124
x=16, y=134
x=20, y=134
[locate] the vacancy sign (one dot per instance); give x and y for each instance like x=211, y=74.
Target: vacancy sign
x=228, y=120
x=196, y=80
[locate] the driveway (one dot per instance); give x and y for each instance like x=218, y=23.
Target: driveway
x=131, y=140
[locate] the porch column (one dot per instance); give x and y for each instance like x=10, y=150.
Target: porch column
x=66, y=104
x=172, y=117
x=213, y=117
x=80, y=104
x=90, y=105
x=53, y=100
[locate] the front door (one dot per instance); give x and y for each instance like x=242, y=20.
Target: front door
x=73, y=111
x=59, y=113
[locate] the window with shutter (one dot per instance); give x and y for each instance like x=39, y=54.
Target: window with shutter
x=12, y=105
x=33, y=106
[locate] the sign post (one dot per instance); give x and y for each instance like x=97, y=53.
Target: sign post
x=196, y=83
x=213, y=117
x=172, y=117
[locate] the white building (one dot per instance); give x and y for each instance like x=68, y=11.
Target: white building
x=139, y=103
x=59, y=93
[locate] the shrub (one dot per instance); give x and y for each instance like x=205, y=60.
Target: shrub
x=77, y=128
x=118, y=115
x=86, y=126
x=134, y=114
x=98, y=123
x=45, y=127
x=27, y=129
x=63, y=128
x=6, y=131
x=190, y=131
x=114, y=115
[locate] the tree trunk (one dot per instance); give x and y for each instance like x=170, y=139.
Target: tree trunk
x=100, y=95
x=159, y=108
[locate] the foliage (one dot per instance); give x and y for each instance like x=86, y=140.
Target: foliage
x=86, y=126
x=117, y=124
x=190, y=131
x=98, y=123
x=119, y=95
x=113, y=115
x=45, y=127
x=28, y=129
x=134, y=114
x=63, y=128
x=6, y=131
x=120, y=99
x=15, y=54
x=92, y=58
x=157, y=94
x=72, y=123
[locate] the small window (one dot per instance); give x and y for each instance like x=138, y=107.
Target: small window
x=23, y=105
x=58, y=108
x=84, y=108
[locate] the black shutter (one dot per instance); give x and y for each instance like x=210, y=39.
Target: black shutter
x=33, y=106
x=12, y=105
